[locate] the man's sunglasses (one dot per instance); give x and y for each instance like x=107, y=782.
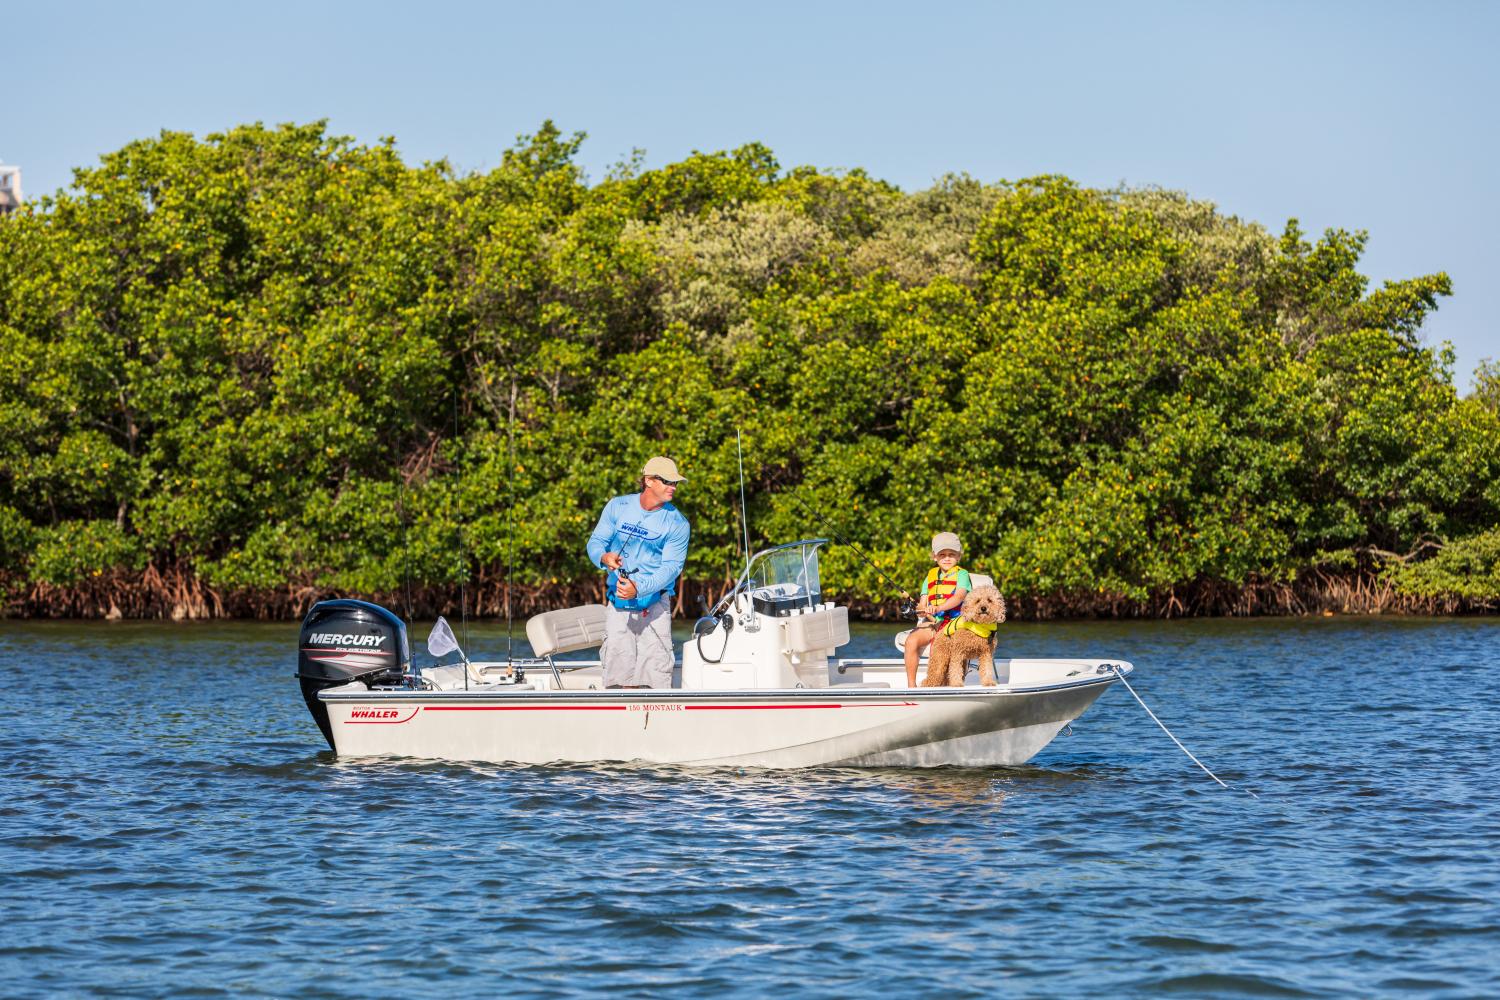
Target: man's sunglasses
x=665, y=482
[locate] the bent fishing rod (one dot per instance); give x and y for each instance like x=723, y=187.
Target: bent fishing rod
x=908, y=604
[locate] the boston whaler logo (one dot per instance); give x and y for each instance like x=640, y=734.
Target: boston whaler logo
x=368, y=716
x=337, y=639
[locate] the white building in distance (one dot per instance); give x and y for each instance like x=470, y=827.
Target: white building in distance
x=10, y=189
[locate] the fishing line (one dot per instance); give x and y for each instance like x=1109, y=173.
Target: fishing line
x=463, y=576
x=858, y=551
x=401, y=514
x=1164, y=729
x=404, y=517
x=744, y=517
x=510, y=532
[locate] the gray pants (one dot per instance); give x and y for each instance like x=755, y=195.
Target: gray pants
x=638, y=646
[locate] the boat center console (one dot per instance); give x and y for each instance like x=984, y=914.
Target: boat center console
x=772, y=630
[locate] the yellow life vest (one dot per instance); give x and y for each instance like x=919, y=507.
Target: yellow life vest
x=983, y=631
x=940, y=586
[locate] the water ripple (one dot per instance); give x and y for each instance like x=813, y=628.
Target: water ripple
x=172, y=824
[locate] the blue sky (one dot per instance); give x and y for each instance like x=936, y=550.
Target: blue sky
x=1356, y=115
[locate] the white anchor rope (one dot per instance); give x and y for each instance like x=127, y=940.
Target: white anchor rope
x=1164, y=729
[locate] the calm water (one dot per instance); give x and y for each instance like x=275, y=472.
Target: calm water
x=172, y=823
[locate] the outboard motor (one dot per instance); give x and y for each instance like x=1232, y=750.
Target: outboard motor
x=345, y=641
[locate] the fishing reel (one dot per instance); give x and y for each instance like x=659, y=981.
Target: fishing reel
x=622, y=574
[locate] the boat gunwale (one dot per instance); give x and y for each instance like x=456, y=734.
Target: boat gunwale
x=837, y=692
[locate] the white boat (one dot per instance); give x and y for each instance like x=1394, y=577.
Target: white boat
x=758, y=684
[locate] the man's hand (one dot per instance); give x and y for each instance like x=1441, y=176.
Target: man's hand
x=625, y=589
x=611, y=560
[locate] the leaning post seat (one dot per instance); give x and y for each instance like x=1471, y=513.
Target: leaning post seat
x=564, y=631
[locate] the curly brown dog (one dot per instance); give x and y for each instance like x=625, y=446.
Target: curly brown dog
x=954, y=647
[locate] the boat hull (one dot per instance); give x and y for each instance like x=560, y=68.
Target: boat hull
x=788, y=728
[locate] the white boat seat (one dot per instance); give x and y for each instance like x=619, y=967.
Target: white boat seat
x=566, y=630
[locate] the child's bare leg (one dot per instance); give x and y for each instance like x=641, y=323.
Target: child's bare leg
x=919, y=639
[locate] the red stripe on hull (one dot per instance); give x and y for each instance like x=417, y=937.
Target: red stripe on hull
x=734, y=708
x=607, y=708
x=524, y=708
x=748, y=708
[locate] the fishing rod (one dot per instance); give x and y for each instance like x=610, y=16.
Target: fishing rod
x=720, y=617
x=739, y=452
x=621, y=573
x=463, y=579
x=908, y=604
x=510, y=534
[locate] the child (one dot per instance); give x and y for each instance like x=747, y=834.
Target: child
x=942, y=595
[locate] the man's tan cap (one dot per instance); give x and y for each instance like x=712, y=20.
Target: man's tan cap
x=946, y=540
x=665, y=468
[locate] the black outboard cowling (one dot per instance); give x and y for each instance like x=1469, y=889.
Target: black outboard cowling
x=345, y=641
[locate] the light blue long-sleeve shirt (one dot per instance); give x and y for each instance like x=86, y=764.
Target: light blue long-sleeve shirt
x=653, y=543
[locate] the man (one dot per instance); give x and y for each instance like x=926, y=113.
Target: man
x=647, y=537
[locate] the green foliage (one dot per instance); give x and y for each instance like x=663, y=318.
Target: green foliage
x=74, y=551
x=1467, y=568
x=704, y=182
x=1487, y=385
x=17, y=537
x=273, y=357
